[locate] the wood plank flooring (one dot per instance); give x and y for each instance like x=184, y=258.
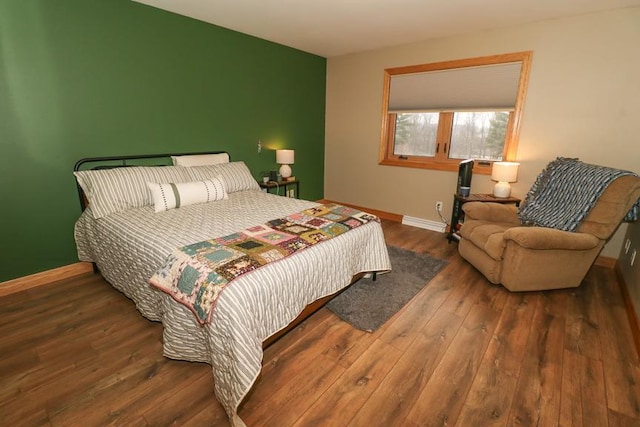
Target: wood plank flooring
x=463, y=352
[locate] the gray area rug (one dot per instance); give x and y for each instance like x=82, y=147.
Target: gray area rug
x=368, y=304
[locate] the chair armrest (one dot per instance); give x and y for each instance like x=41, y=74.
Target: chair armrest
x=493, y=212
x=550, y=238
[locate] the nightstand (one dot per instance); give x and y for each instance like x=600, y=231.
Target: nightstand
x=290, y=188
x=457, y=215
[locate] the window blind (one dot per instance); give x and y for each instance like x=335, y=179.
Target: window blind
x=489, y=87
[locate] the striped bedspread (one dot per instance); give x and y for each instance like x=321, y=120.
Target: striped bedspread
x=195, y=275
x=130, y=246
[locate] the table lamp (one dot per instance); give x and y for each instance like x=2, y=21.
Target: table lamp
x=504, y=173
x=285, y=158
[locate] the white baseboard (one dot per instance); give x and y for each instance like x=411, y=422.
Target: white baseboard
x=424, y=223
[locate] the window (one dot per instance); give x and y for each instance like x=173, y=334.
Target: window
x=434, y=115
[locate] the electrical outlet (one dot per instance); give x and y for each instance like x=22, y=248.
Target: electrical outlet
x=438, y=206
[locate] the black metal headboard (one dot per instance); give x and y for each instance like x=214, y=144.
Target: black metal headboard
x=110, y=162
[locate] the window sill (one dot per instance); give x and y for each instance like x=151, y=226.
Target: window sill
x=483, y=168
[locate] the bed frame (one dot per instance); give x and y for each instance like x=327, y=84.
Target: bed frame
x=110, y=162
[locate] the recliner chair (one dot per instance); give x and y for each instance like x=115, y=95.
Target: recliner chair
x=528, y=258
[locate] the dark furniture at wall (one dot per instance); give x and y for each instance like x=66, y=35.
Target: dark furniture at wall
x=277, y=186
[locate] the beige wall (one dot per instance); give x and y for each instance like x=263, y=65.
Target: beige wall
x=583, y=101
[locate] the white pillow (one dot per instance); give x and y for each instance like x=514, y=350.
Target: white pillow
x=236, y=175
x=200, y=159
x=174, y=195
x=114, y=190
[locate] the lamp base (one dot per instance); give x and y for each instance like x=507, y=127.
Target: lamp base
x=502, y=190
x=285, y=171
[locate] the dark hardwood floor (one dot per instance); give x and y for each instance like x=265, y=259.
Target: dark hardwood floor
x=463, y=352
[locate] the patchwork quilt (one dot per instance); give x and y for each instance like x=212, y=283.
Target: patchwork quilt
x=195, y=275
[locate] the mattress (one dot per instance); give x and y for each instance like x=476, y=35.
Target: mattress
x=130, y=246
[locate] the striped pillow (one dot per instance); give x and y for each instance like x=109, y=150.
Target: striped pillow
x=114, y=190
x=236, y=175
x=174, y=195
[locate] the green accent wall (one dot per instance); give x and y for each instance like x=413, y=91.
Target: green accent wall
x=84, y=78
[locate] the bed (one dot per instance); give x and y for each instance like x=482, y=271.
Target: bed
x=129, y=231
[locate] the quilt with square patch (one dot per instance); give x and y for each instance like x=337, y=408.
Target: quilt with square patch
x=195, y=275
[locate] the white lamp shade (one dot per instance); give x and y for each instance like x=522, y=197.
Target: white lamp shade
x=505, y=171
x=285, y=157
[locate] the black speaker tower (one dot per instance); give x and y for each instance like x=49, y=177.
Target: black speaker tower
x=465, y=172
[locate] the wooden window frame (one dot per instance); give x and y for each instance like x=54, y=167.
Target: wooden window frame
x=441, y=161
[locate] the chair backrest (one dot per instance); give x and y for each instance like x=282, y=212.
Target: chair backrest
x=611, y=208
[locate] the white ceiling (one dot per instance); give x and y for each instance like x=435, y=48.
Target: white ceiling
x=337, y=27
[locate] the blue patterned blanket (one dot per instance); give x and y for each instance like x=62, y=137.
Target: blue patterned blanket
x=565, y=191
x=195, y=275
